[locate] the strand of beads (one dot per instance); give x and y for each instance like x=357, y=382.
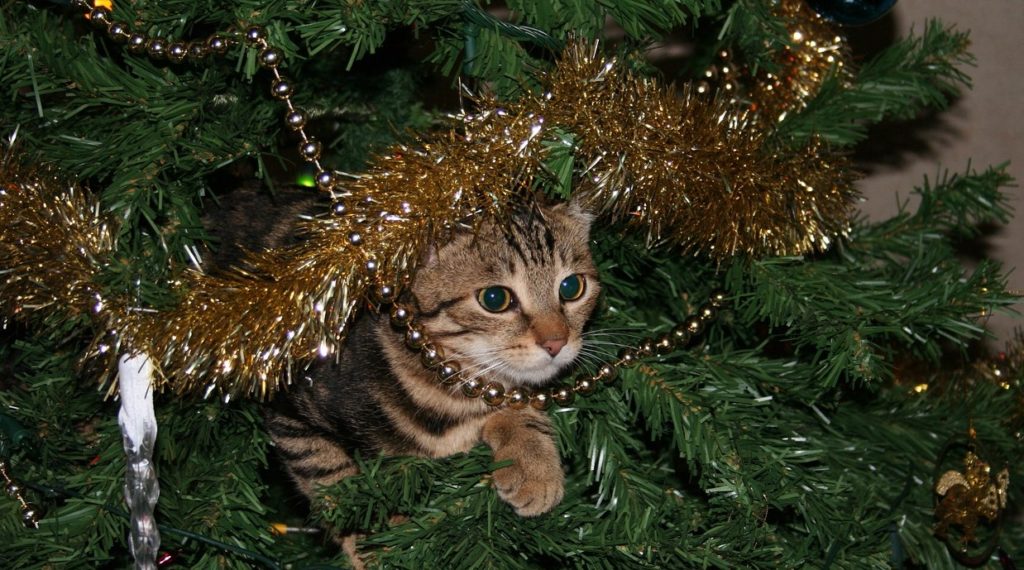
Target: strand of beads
x=29, y=512
x=282, y=89
x=449, y=372
x=177, y=51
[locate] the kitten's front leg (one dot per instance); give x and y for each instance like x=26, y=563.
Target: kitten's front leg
x=534, y=483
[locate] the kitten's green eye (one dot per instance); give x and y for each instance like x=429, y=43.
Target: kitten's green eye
x=572, y=287
x=495, y=299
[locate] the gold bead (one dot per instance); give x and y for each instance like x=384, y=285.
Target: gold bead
x=30, y=515
x=563, y=396
x=118, y=31
x=517, y=398
x=718, y=298
x=309, y=149
x=473, y=387
x=217, y=44
x=449, y=373
x=177, y=51
x=664, y=345
x=325, y=180
x=607, y=373
x=431, y=355
x=13, y=489
x=694, y=325
x=100, y=17
x=197, y=50
x=707, y=313
x=645, y=348
x=137, y=43
x=681, y=335
x=254, y=34
x=585, y=386
x=494, y=394
x=270, y=58
x=540, y=400
x=281, y=88
x=414, y=337
x=628, y=357
x=400, y=315
x=295, y=119
x=156, y=48
x=384, y=294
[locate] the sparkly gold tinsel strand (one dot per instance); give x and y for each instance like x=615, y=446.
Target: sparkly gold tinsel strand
x=53, y=242
x=691, y=171
x=814, y=53
x=687, y=170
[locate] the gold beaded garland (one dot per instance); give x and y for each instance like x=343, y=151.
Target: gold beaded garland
x=517, y=398
x=627, y=357
x=540, y=401
x=29, y=513
x=607, y=373
x=178, y=51
x=494, y=394
x=585, y=386
x=449, y=372
x=664, y=345
x=473, y=387
x=563, y=395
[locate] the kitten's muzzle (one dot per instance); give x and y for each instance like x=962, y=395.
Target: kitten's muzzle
x=553, y=346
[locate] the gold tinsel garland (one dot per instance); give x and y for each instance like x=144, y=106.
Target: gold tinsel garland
x=54, y=240
x=687, y=170
x=690, y=170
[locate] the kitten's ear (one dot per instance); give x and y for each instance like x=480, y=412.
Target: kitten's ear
x=577, y=210
x=429, y=256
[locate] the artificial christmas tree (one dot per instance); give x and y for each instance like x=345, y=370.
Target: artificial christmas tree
x=785, y=422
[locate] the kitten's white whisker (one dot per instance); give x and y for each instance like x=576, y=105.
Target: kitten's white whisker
x=591, y=360
x=598, y=354
x=619, y=332
x=477, y=366
x=629, y=332
x=607, y=343
x=477, y=354
x=496, y=365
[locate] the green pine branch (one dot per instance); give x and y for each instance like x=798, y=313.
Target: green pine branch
x=912, y=75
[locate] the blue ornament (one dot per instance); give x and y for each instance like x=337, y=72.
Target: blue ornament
x=851, y=12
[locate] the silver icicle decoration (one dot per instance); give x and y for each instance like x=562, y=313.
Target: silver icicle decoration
x=138, y=426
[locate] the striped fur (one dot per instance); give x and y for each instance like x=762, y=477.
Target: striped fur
x=378, y=398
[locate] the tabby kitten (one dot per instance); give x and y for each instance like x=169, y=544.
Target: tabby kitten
x=508, y=303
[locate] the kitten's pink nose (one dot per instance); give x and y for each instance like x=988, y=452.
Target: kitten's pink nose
x=553, y=345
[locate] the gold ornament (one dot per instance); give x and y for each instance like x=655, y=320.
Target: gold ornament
x=815, y=51
x=970, y=501
x=969, y=496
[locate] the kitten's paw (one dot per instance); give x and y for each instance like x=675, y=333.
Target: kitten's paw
x=532, y=490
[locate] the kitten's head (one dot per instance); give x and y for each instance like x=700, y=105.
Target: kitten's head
x=511, y=300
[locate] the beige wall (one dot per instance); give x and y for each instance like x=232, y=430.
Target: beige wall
x=985, y=126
